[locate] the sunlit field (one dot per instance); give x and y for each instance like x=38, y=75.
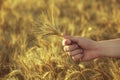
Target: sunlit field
x=31, y=35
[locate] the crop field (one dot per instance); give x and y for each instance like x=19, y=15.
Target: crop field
x=31, y=42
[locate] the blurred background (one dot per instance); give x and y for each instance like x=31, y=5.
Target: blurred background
x=24, y=55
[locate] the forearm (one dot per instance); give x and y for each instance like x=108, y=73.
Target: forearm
x=110, y=48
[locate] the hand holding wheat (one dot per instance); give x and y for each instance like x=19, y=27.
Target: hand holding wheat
x=81, y=49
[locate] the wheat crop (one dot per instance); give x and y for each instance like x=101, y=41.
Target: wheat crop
x=31, y=34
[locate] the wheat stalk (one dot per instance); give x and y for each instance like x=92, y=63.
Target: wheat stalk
x=46, y=25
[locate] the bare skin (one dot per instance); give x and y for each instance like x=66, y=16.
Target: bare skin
x=83, y=49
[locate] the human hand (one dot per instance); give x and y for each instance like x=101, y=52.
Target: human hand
x=80, y=49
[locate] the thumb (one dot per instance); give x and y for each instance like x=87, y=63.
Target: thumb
x=72, y=38
x=66, y=42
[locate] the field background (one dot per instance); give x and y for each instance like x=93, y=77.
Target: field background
x=25, y=55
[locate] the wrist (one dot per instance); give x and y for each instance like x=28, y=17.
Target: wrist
x=105, y=48
x=109, y=48
x=100, y=49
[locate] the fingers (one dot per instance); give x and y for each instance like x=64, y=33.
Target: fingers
x=75, y=52
x=69, y=48
x=77, y=57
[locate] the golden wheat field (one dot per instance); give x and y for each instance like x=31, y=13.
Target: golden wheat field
x=30, y=38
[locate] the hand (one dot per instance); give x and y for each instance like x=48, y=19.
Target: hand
x=80, y=49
